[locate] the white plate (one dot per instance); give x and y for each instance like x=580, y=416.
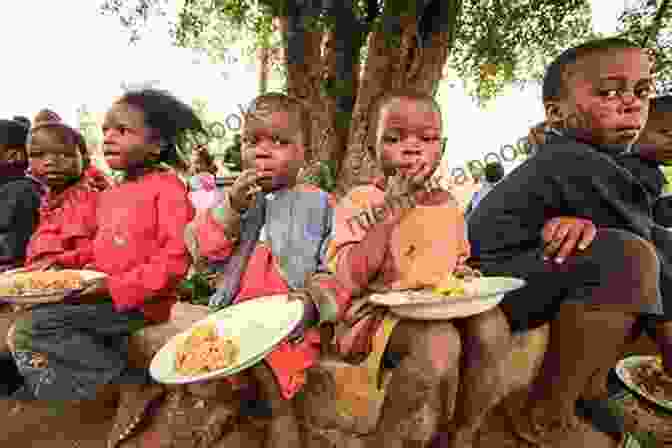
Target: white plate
x=425, y=305
x=259, y=325
x=51, y=296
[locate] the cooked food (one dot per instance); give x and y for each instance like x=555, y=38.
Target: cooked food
x=204, y=351
x=653, y=380
x=40, y=282
x=458, y=284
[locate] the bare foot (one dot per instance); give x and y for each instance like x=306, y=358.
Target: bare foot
x=538, y=426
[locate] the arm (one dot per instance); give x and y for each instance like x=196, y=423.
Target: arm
x=168, y=266
x=355, y=255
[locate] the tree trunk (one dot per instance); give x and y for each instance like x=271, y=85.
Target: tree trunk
x=263, y=54
x=390, y=65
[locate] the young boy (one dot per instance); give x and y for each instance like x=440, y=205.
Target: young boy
x=596, y=98
x=19, y=195
x=58, y=157
x=431, y=357
x=270, y=235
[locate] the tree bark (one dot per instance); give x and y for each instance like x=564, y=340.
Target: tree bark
x=392, y=65
x=263, y=55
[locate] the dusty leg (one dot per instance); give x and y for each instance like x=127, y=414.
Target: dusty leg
x=283, y=430
x=486, y=340
x=582, y=341
x=422, y=388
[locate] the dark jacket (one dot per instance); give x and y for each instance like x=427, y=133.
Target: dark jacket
x=566, y=178
x=19, y=205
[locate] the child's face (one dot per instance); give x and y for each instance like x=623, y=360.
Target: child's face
x=658, y=131
x=10, y=153
x=593, y=103
x=273, y=146
x=408, y=134
x=52, y=159
x=126, y=138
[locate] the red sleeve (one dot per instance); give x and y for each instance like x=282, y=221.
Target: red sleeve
x=168, y=266
x=66, y=236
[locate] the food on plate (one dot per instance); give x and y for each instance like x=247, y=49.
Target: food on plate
x=457, y=284
x=39, y=282
x=204, y=351
x=651, y=378
x=426, y=244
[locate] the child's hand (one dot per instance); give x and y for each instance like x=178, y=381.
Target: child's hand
x=243, y=190
x=564, y=234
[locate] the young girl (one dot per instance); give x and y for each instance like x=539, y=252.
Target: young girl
x=271, y=235
x=429, y=359
x=58, y=157
x=19, y=195
x=139, y=245
x=203, y=191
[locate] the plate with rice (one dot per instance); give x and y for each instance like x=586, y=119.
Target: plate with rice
x=37, y=287
x=226, y=342
x=453, y=297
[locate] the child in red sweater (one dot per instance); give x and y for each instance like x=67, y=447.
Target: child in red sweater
x=59, y=158
x=138, y=243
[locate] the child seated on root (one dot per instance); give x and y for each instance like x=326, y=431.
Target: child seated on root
x=58, y=157
x=19, y=195
x=443, y=372
x=69, y=351
x=273, y=241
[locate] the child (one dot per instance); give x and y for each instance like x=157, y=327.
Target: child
x=596, y=98
x=203, y=191
x=273, y=241
x=19, y=195
x=139, y=245
x=58, y=156
x=405, y=129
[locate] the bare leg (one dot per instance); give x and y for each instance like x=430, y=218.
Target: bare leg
x=486, y=340
x=582, y=341
x=283, y=430
x=422, y=388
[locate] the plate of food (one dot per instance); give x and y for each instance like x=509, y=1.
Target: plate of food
x=26, y=287
x=453, y=297
x=226, y=342
x=644, y=375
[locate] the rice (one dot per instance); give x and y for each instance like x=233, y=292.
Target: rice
x=41, y=282
x=203, y=351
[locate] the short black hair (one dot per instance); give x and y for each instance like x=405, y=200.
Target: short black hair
x=554, y=80
x=23, y=120
x=169, y=117
x=493, y=172
x=661, y=104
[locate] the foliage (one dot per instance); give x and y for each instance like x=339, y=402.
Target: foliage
x=196, y=289
x=516, y=37
x=232, y=156
x=323, y=174
x=651, y=25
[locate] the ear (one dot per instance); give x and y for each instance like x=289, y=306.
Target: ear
x=554, y=111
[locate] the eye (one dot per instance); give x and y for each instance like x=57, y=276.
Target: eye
x=280, y=141
x=430, y=139
x=609, y=93
x=644, y=92
x=249, y=140
x=123, y=130
x=390, y=139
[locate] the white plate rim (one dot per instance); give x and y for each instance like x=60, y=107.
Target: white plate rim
x=155, y=366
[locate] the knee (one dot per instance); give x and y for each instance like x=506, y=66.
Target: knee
x=488, y=331
x=439, y=347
